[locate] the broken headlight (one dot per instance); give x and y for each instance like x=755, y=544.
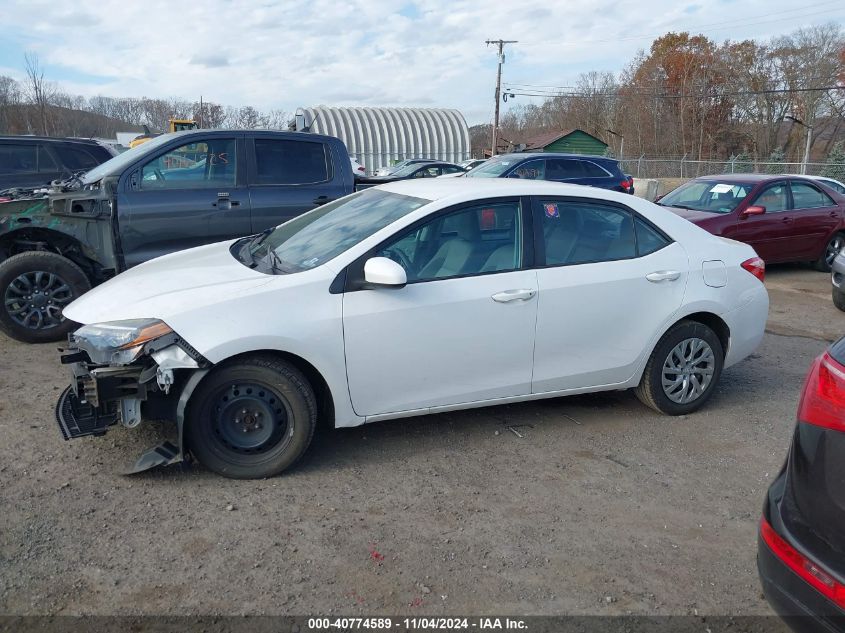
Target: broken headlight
x=118, y=342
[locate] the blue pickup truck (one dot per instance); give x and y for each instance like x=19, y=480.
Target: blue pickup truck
x=174, y=192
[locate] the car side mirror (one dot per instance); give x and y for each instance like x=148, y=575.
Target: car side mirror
x=753, y=210
x=381, y=272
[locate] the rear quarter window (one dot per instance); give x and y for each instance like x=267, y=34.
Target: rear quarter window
x=75, y=158
x=649, y=240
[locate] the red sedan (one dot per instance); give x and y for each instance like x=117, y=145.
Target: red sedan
x=785, y=218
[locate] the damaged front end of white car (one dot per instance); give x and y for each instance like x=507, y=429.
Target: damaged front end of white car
x=123, y=372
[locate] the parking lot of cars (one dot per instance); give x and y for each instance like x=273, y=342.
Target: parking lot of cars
x=592, y=504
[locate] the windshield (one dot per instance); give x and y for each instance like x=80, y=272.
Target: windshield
x=407, y=170
x=491, y=169
x=324, y=233
x=119, y=162
x=712, y=196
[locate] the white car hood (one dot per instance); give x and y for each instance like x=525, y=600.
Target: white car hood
x=168, y=286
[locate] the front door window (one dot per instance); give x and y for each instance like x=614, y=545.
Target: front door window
x=211, y=163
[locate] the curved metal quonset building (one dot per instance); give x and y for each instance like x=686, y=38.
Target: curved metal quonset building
x=377, y=137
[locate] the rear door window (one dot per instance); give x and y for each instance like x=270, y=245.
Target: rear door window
x=805, y=196
x=580, y=232
x=290, y=162
x=564, y=168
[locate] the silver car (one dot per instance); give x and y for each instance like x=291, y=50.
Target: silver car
x=837, y=278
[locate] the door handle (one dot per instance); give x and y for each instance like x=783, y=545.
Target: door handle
x=506, y=296
x=663, y=275
x=321, y=200
x=224, y=202
x=787, y=219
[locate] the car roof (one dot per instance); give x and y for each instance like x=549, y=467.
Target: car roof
x=516, y=155
x=466, y=189
x=751, y=178
x=47, y=139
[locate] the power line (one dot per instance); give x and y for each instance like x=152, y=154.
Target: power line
x=703, y=95
x=550, y=88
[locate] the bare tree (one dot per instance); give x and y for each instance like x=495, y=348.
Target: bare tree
x=38, y=91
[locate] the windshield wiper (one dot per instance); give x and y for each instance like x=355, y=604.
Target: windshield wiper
x=680, y=206
x=255, y=241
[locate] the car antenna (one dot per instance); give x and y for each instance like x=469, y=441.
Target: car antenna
x=307, y=128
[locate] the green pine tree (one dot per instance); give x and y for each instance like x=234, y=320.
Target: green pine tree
x=776, y=158
x=835, y=165
x=743, y=163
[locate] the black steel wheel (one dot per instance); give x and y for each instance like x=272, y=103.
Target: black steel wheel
x=36, y=286
x=251, y=418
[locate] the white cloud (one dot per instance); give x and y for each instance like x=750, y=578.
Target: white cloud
x=307, y=52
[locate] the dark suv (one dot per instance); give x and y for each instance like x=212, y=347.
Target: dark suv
x=31, y=161
x=576, y=169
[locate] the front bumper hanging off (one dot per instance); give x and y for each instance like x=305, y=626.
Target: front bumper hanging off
x=102, y=396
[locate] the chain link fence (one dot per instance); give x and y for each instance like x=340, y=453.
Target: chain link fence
x=682, y=168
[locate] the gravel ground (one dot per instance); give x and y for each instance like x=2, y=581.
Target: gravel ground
x=601, y=507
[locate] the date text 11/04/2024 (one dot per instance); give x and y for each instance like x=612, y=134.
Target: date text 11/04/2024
x=412, y=624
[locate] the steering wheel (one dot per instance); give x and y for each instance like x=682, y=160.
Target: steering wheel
x=159, y=175
x=399, y=257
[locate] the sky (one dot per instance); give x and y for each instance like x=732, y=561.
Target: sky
x=411, y=53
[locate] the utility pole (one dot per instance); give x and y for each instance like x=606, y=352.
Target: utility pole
x=501, y=45
x=809, y=140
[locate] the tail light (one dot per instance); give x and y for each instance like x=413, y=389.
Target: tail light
x=807, y=570
x=625, y=184
x=756, y=267
x=823, y=399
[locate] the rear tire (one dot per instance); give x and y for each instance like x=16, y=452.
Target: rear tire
x=831, y=250
x=838, y=299
x=252, y=418
x=683, y=369
x=35, y=286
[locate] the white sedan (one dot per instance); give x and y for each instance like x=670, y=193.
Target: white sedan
x=411, y=298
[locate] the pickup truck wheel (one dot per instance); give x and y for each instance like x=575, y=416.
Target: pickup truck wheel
x=252, y=418
x=36, y=286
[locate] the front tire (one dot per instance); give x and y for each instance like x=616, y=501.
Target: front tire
x=252, y=418
x=834, y=245
x=683, y=369
x=838, y=299
x=35, y=287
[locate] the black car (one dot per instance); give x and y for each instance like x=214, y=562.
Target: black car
x=31, y=161
x=801, y=544
x=430, y=169
x=577, y=169
x=176, y=191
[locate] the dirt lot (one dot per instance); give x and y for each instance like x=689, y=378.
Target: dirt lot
x=601, y=508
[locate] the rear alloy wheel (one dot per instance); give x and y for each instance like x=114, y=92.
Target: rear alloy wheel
x=834, y=246
x=252, y=418
x=683, y=369
x=36, y=286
